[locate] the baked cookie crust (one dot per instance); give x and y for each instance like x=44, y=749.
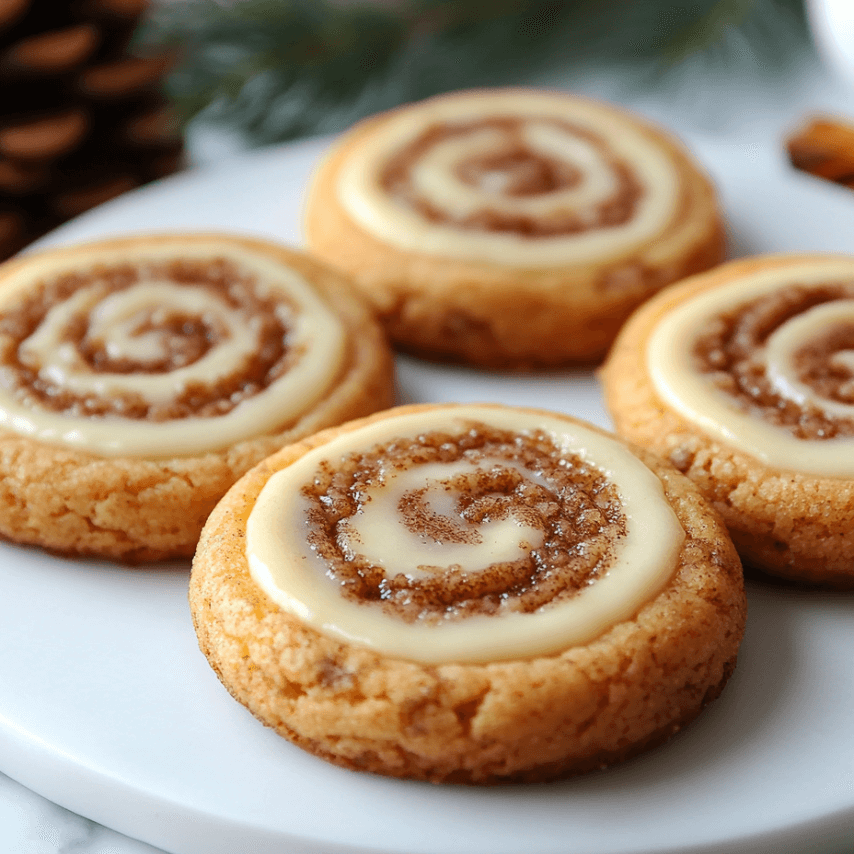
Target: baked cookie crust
x=134, y=509
x=524, y=719
x=792, y=524
x=525, y=314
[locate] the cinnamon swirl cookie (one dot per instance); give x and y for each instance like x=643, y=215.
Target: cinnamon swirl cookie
x=744, y=378
x=511, y=228
x=140, y=377
x=468, y=593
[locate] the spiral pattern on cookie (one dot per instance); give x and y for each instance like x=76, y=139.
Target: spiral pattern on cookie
x=466, y=533
x=766, y=363
x=161, y=350
x=511, y=177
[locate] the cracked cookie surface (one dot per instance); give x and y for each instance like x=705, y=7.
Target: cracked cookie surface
x=580, y=705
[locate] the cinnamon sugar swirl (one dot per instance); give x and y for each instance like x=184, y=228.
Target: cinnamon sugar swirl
x=744, y=377
x=511, y=228
x=140, y=377
x=468, y=593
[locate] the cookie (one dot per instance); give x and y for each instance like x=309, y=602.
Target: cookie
x=142, y=376
x=510, y=228
x=468, y=594
x=743, y=378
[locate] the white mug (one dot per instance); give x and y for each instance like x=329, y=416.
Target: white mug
x=832, y=24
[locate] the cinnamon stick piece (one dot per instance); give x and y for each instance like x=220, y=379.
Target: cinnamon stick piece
x=824, y=147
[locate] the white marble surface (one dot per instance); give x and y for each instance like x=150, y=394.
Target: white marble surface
x=750, y=109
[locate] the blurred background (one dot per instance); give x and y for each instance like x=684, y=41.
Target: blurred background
x=274, y=69
x=100, y=96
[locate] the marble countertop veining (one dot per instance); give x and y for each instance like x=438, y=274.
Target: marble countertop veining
x=29, y=824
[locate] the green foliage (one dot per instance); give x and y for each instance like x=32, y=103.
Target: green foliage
x=277, y=69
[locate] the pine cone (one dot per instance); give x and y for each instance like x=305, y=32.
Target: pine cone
x=82, y=118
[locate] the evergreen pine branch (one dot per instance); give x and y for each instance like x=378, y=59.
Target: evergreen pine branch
x=277, y=69
x=748, y=17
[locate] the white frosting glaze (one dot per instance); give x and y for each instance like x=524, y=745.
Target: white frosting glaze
x=398, y=224
x=116, y=321
x=671, y=365
x=377, y=535
x=794, y=335
x=282, y=563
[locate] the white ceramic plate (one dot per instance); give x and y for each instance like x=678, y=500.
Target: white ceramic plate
x=108, y=708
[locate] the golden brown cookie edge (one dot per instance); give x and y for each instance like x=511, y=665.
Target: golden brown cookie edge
x=770, y=535
x=136, y=510
x=529, y=720
x=507, y=317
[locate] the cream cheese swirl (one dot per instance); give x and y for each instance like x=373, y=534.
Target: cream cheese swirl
x=161, y=350
x=511, y=177
x=765, y=363
x=467, y=533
